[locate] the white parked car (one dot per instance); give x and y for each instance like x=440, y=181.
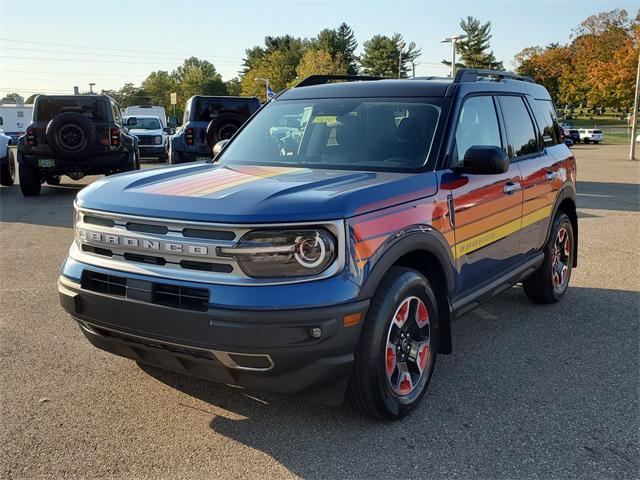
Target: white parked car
x=591, y=135
x=153, y=137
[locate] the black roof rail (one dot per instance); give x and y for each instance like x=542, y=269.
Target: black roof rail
x=464, y=75
x=322, y=79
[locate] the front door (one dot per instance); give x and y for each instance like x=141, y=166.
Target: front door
x=488, y=208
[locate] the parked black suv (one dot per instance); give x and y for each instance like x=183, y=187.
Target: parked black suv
x=74, y=135
x=207, y=120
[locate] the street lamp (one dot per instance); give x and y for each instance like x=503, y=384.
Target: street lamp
x=91, y=88
x=452, y=40
x=401, y=45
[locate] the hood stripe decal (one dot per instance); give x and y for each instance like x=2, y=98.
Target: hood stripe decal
x=216, y=180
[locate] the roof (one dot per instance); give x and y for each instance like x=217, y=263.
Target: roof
x=13, y=105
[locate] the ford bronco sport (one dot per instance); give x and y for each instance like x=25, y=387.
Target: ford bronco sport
x=207, y=120
x=74, y=135
x=334, y=239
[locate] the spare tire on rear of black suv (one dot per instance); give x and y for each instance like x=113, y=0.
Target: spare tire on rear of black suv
x=71, y=135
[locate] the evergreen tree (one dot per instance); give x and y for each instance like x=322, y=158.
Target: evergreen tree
x=382, y=54
x=473, y=51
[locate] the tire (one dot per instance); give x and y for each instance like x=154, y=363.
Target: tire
x=53, y=180
x=586, y=140
x=71, y=135
x=222, y=128
x=133, y=162
x=30, y=180
x=596, y=142
x=551, y=281
x=8, y=169
x=372, y=389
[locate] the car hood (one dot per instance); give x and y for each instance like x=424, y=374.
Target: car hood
x=253, y=194
x=142, y=131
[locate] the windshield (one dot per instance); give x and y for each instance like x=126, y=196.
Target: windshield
x=394, y=134
x=145, y=123
x=91, y=107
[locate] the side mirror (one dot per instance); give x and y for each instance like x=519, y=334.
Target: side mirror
x=131, y=122
x=169, y=130
x=484, y=160
x=217, y=148
x=172, y=122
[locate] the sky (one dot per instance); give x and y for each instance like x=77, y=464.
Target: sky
x=50, y=46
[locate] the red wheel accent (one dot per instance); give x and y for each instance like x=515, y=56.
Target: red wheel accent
x=567, y=247
x=408, y=350
x=391, y=360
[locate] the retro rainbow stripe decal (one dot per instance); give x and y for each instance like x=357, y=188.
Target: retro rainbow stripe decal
x=216, y=180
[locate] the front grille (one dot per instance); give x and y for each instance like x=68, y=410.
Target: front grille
x=145, y=140
x=175, y=296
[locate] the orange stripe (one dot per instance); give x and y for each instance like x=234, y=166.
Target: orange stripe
x=181, y=184
x=488, y=223
x=470, y=214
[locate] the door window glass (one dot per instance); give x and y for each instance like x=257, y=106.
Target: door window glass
x=520, y=131
x=477, y=125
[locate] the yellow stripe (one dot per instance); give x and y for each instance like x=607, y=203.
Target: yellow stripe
x=500, y=232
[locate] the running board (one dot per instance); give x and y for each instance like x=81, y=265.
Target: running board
x=477, y=297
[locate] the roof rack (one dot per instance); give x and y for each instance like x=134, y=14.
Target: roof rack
x=465, y=75
x=322, y=79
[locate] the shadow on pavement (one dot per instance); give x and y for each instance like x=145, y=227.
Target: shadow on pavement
x=609, y=196
x=53, y=207
x=516, y=399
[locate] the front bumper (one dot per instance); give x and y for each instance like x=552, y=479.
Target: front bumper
x=270, y=350
x=152, y=150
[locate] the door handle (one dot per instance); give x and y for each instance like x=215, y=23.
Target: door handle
x=511, y=188
x=550, y=176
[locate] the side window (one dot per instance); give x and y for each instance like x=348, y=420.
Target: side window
x=520, y=130
x=477, y=125
x=116, y=114
x=547, y=121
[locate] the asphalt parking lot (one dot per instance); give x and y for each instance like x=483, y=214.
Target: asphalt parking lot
x=530, y=391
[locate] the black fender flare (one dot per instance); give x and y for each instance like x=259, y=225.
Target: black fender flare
x=428, y=240
x=421, y=238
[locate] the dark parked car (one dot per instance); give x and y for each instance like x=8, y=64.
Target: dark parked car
x=7, y=161
x=207, y=120
x=335, y=238
x=74, y=135
x=573, y=134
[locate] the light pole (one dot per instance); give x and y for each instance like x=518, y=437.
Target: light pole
x=401, y=45
x=266, y=83
x=634, y=116
x=91, y=88
x=452, y=40
x=413, y=68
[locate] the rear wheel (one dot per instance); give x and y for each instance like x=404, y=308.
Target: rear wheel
x=8, y=169
x=586, y=140
x=30, y=180
x=551, y=281
x=396, y=354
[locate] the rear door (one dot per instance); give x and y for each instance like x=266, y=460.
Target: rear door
x=532, y=135
x=488, y=208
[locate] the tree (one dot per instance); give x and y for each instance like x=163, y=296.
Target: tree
x=159, y=85
x=382, y=54
x=31, y=99
x=472, y=50
x=12, y=98
x=319, y=62
x=275, y=66
x=292, y=47
x=341, y=44
x=128, y=95
x=233, y=86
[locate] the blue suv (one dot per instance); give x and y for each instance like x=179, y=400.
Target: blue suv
x=333, y=240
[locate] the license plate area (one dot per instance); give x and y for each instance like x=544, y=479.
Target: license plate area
x=46, y=162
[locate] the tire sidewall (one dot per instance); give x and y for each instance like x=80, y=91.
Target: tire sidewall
x=409, y=284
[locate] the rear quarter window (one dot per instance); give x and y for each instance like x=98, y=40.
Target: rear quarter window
x=523, y=139
x=93, y=108
x=547, y=120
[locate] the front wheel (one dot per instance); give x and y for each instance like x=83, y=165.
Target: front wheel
x=8, y=170
x=396, y=354
x=551, y=280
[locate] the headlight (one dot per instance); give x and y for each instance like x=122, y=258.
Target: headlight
x=157, y=140
x=288, y=253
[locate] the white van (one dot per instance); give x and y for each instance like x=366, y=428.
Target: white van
x=146, y=111
x=15, y=118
